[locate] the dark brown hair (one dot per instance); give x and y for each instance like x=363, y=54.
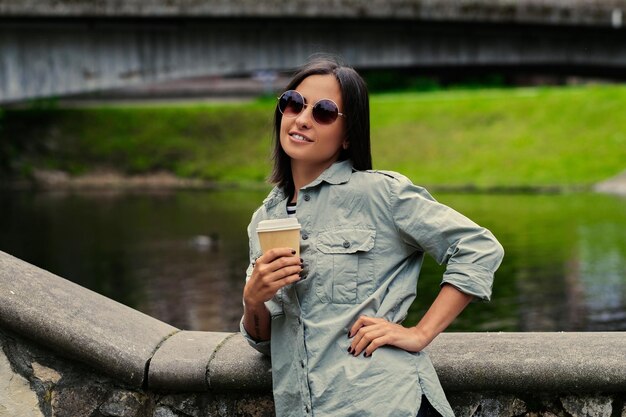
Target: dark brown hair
x=356, y=108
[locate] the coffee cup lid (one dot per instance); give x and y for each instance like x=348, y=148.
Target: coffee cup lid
x=289, y=223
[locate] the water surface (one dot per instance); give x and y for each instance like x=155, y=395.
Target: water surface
x=564, y=269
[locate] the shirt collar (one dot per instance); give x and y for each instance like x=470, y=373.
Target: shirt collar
x=337, y=173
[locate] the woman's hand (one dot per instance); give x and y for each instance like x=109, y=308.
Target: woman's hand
x=370, y=333
x=272, y=271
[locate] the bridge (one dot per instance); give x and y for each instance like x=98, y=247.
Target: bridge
x=61, y=47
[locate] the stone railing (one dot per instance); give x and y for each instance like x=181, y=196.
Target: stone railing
x=67, y=351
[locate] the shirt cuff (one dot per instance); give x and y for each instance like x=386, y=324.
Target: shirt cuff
x=262, y=346
x=470, y=279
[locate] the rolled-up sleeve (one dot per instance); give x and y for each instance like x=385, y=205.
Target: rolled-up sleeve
x=471, y=253
x=262, y=346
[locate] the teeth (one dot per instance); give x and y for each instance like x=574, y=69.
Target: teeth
x=300, y=137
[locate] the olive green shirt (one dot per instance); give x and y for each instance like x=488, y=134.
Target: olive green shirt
x=363, y=239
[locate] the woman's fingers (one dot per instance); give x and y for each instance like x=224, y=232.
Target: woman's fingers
x=271, y=271
x=366, y=337
x=276, y=260
x=373, y=333
x=363, y=321
x=287, y=280
x=274, y=254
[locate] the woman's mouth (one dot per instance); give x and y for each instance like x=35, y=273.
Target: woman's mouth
x=299, y=138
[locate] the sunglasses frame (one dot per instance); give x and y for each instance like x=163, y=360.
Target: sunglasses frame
x=305, y=105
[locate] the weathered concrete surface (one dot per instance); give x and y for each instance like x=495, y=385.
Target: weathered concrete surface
x=235, y=365
x=180, y=364
x=585, y=12
x=589, y=405
x=118, y=340
x=67, y=389
x=78, y=322
x=484, y=374
x=16, y=397
x=513, y=362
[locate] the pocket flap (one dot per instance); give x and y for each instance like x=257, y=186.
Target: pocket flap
x=346, y=241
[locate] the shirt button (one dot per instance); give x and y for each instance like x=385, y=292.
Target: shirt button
x=306, y=408
x=346, y=244
x=305, y=236
x=307, y=197
x=299, y=320
x=302, y=363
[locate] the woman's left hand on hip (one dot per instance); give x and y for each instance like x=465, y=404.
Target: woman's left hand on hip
x=370, y=333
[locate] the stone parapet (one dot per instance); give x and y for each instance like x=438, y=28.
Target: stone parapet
x=555, y=12
x=538, y=362
x=35, y=383
x=65, y=350
x=76, y=322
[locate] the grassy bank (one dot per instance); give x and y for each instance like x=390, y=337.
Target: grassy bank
x=566, y=136
x=485, y=138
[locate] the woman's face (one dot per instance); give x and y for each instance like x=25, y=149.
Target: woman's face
x=307, y=142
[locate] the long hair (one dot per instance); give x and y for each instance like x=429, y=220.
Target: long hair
x=356, y=108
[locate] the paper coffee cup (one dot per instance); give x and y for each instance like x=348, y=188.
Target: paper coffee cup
x=279, y=233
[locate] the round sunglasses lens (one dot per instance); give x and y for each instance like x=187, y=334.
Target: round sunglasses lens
x=290, y=104
x=325, y=112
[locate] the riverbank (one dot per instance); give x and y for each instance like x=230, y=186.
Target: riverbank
x=110, y=180
x=551, y=139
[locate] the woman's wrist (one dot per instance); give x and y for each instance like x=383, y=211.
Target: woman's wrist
x=424, y=336
x=252, y=304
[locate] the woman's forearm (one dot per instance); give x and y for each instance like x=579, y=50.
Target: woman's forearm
x=447, y=306
x=256, y=320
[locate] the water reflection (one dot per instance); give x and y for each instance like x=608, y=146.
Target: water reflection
x=181, y=256
x=602, y=266
x=189, y=288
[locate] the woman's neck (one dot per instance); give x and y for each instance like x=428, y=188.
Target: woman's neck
x=304, y=174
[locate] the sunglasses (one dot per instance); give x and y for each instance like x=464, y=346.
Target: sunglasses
x=325, y=111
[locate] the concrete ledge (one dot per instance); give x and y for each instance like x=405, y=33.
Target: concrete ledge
x=101, y=333
x=538, y=362
x=235, y=365
x=560, y=12
x=180, y=364
x=76, y=322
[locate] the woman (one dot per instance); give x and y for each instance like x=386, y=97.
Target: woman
x=331, y=319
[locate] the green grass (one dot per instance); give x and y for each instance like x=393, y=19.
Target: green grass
x=566, y=136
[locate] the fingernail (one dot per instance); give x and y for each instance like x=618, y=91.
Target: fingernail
x=367, y=355
x=350, y=349
x=293, y=252
x=301, y=260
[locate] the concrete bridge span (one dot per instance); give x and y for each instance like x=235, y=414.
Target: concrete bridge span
x=50, y=48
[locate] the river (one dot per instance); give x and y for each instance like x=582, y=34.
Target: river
x=180, y=256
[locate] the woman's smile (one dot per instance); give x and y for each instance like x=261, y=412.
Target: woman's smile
x=299, y=137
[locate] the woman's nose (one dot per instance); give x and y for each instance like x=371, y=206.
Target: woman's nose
x=305, y=118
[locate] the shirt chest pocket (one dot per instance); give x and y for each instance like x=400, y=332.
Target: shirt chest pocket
x=345, y=265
